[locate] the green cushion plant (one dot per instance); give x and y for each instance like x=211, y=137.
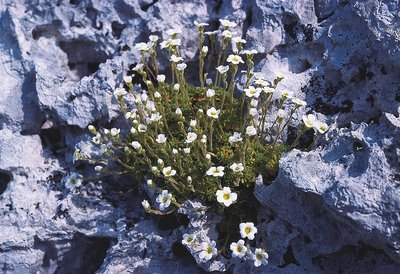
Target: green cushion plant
x=208, y=141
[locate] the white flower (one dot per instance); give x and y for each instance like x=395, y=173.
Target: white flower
x=165, y=44
x=253, y=111
x=136, y=145
x=209, y=81
x=157, y=95
x=286, y=94
x=227, y=23
x=115, y=131
x=151, y=106
x=130, y=114
x=155, y=117
x=120, y=92
x=237, y=167
x=98, y=168
x=260, y=257
x=138, y=67
x=238, y=249
x=150, y=183
x=144, y=97
x=234, y=59
x=247, y=230
x=181, y=66
x=281, y=114
x=203, y=139
x=133, y=130
x=153, y=38
x=92, y=129
x=175, y=42
x=253, y=103
x=191, y=137
x=197, y=24
x=188, y=239
x=127, y=79
x=193, y=123
x=178, y=112
x=210, y=93
x=236, y=137
x=268, y=90
x=249, y=52
x=104, y=148
x=172, y=32
x=212, y=33
x=208, y=156
x=204, y=49
x=299, y=103
x=96, y=139
x=208, y=250
x=146, y=205
x=142, y=128
x=222, y=69
x=154, y=169
x=321, y=127
x=175, y=58
x=176, y=87
x=226, y=196
x=143, y=46
x=161, y=139
x=251, y=131
x=186, y=150
x=227, y=34
x=216, y=171
x=164, y=199
x=160, y=162
x=252, y=92
x=309, y=120
x=73, y=181
x=168, y=171
x=213, y=113
x=161, y=78
x=261, y=82
x=174, y=151
x=238, y=40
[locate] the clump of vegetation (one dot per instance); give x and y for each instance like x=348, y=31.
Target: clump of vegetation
x=206, y=141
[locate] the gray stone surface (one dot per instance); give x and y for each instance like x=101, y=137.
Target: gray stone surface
x=334, y=208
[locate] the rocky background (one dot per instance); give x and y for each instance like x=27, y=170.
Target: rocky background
x=335, y=209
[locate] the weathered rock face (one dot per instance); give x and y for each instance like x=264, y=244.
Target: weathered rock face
x=334, y=208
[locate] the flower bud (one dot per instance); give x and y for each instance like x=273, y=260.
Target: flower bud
x=92, y=129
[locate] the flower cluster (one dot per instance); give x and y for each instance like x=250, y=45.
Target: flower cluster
x=207, y=142
x=206, y=250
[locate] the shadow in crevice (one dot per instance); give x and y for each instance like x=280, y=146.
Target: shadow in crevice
x=84, y=56
x=33, y=116
x=86, y=255
x=5, y=179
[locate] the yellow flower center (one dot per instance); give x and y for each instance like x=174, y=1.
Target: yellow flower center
x=72, y=182
x=226, y=196
x=209, y=250
x=259, y=256
x=164, y=199
x=247, y=230
x=168, y=172
x=239, y=249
